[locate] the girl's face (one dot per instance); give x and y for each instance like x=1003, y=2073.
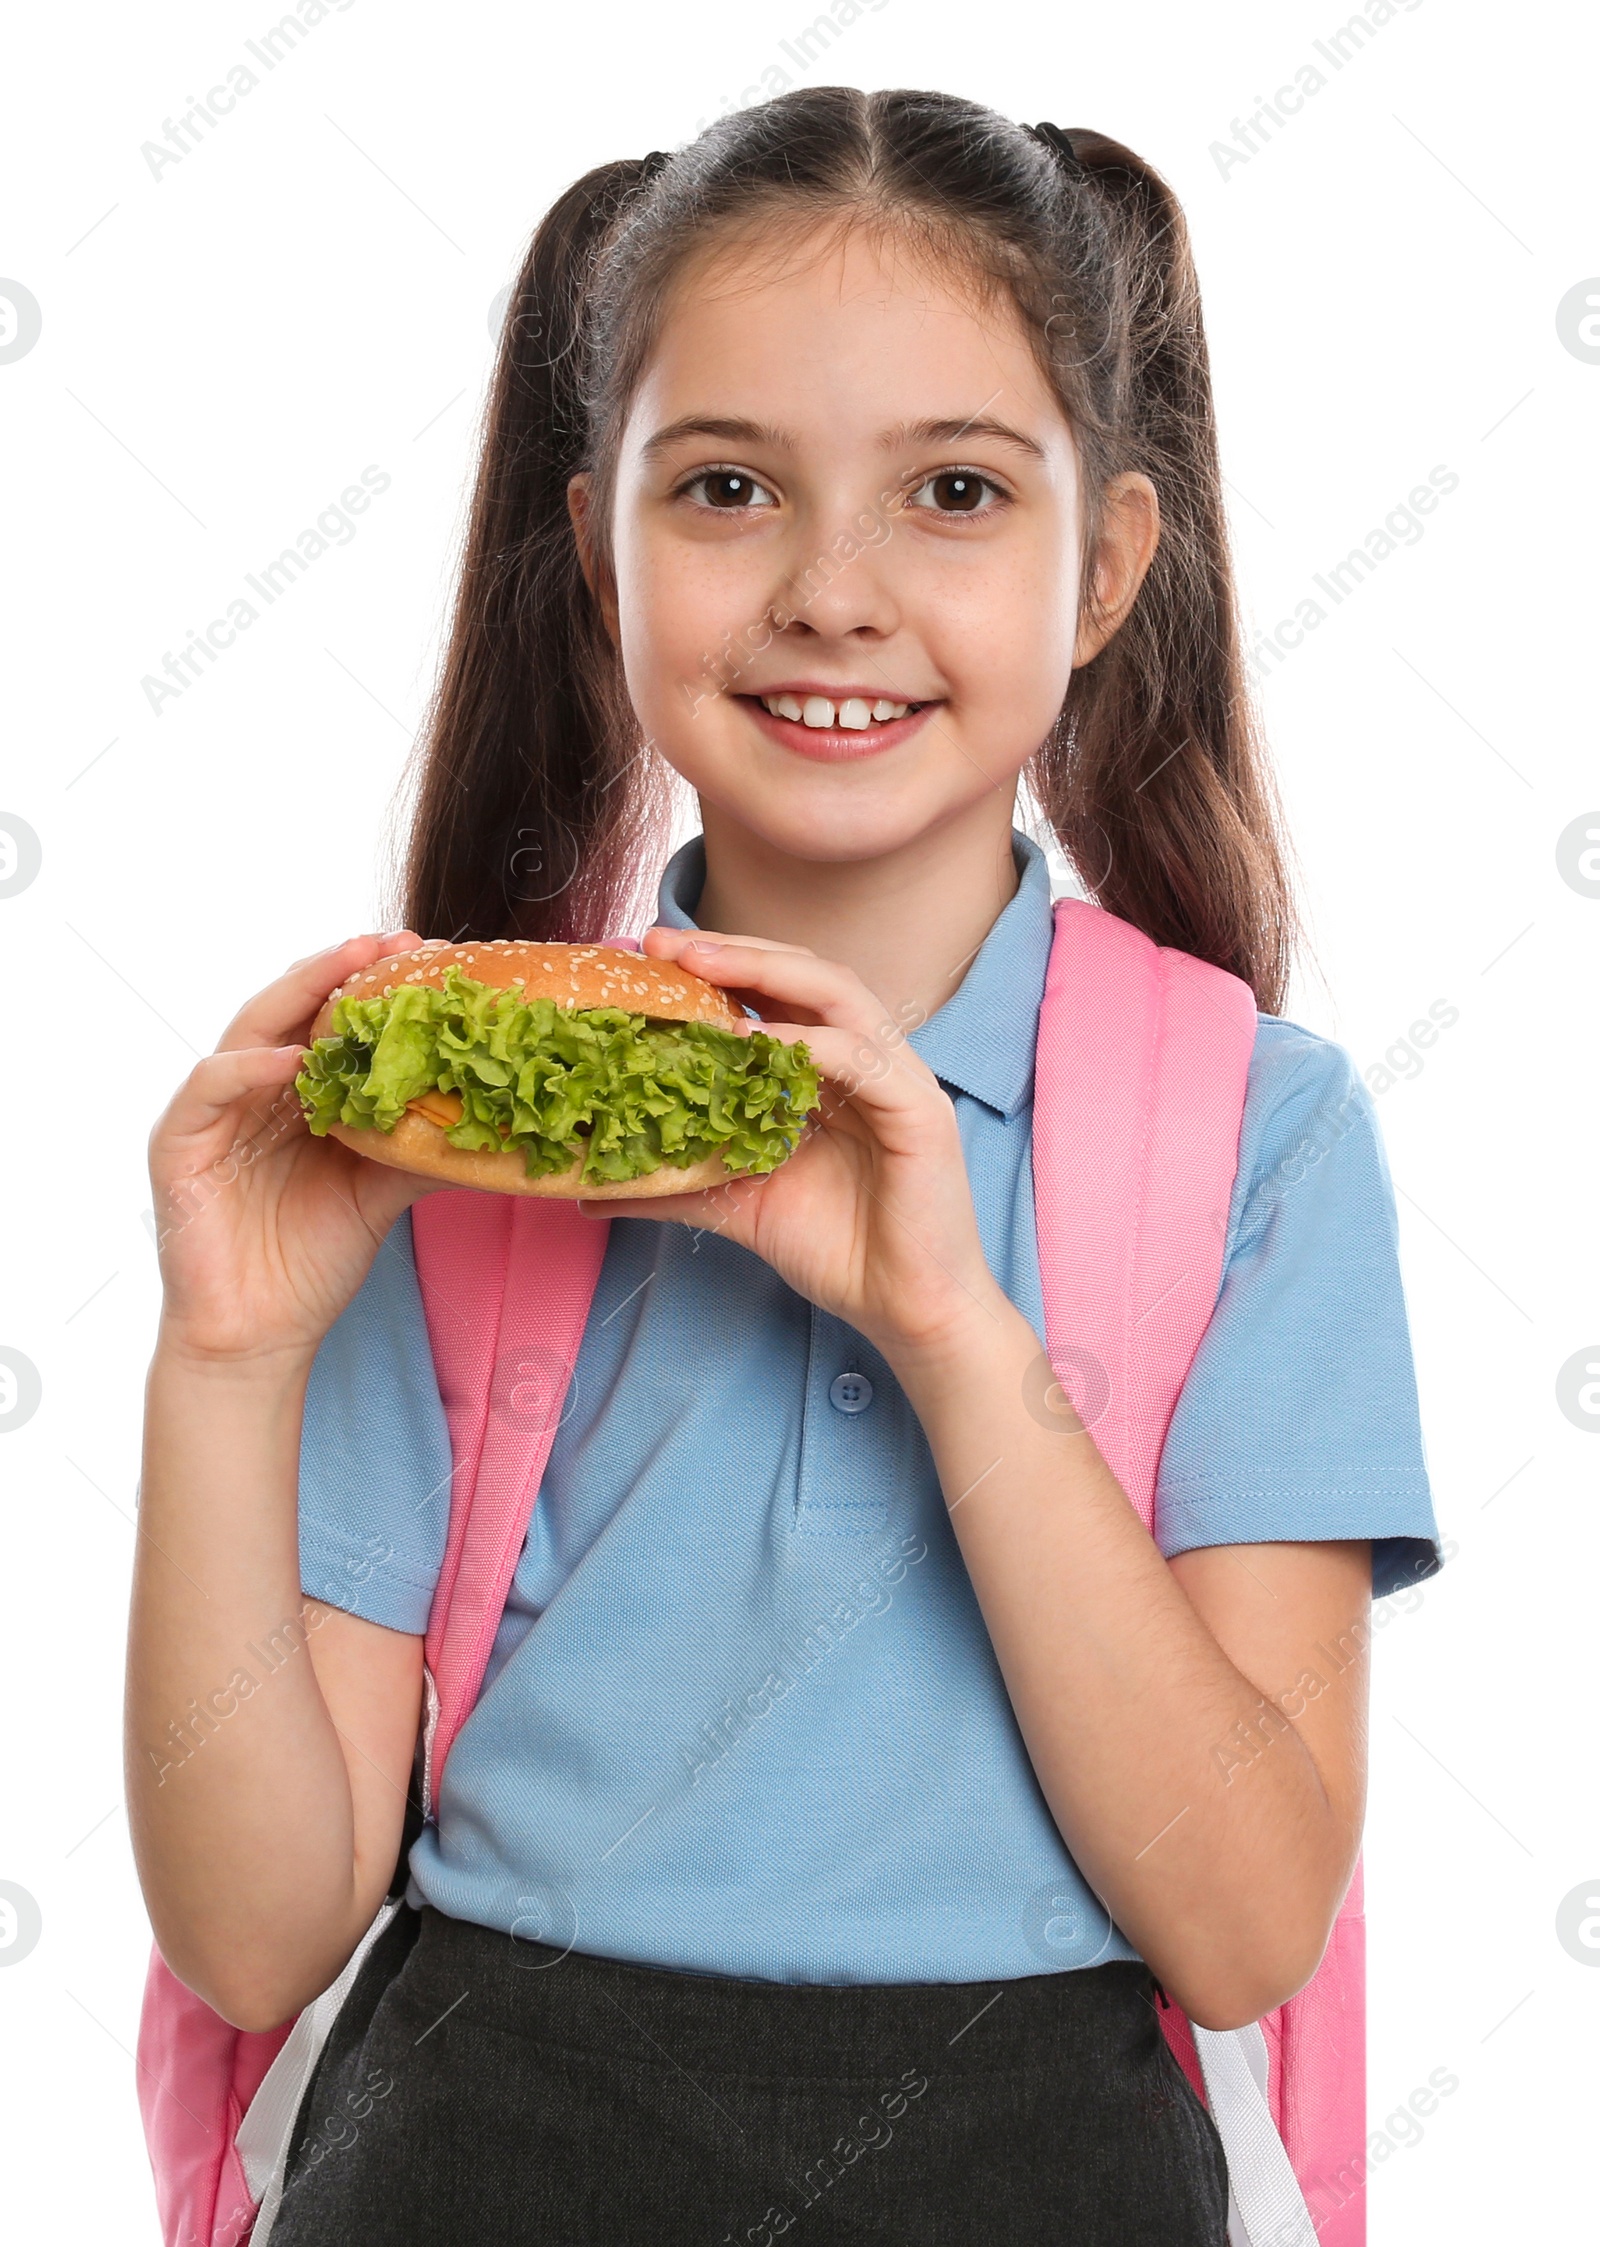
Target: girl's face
x=845, y=547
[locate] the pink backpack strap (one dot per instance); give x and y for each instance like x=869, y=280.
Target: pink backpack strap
x=506, y=1288
x=1140, y=1078
x=1139, y=1085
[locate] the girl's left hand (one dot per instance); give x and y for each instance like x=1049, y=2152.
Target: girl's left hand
x=871, y=1217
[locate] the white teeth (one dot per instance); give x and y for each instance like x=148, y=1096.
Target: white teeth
x=819, y=710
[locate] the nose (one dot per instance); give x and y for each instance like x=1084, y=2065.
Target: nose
x=843, y=583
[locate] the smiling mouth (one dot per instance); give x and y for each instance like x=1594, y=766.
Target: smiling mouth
x=822, y=713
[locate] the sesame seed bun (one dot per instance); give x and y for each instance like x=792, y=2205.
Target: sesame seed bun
x=573, y=975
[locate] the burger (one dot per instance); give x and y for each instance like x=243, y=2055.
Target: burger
x=573, y=1070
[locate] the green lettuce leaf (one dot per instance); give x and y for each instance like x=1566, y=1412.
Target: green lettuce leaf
x=626, y=1094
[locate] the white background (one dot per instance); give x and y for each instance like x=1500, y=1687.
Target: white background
x=225, y=347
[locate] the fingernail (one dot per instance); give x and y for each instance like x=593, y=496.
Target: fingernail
x=700, y=944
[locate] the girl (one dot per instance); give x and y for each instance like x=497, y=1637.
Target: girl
x=854, y=462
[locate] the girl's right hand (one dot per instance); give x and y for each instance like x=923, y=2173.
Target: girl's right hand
x=264, y=1233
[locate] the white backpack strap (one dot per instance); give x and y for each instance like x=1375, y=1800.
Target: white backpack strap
x=1266, y=2207
x=262, y=2138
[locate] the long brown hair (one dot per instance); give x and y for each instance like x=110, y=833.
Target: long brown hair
x=540, y=813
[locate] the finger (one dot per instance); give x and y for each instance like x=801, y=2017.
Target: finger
x=851, y=1061
x=669, y=942
x=789, y=975
x=396, y=941
x=289, y=1006
x=214, y=1089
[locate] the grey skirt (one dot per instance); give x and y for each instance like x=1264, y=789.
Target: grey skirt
x=489, y=2091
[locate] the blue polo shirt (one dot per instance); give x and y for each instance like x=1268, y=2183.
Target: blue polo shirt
x=742, y=1715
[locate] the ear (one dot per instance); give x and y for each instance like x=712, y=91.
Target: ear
x=580, y=507
x=1130, y=528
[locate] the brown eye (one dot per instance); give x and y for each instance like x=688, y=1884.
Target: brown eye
x=958, y=491
x=727, y=489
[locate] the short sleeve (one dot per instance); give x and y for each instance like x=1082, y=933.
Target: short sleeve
x=1299, y=1418
x=375, y=1452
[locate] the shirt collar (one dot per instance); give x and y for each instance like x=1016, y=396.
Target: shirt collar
x=981, y=1040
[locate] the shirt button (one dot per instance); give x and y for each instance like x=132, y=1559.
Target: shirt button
x=849, y=1392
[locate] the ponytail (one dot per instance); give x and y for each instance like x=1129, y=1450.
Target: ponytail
x=533, y=797
x=1155, y=778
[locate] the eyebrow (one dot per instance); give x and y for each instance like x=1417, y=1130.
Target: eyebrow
x=735, y=431
x=950, y=432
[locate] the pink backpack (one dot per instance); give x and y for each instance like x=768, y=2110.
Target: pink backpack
x=1142, y=1063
